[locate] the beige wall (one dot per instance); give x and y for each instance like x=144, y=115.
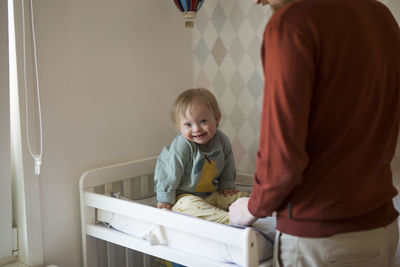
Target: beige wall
x=109, y=71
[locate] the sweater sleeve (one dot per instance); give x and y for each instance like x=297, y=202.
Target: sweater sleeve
x=288, y=63
x=226, y=179
x=170, y=168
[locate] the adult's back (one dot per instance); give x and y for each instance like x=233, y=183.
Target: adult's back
x=330, y=118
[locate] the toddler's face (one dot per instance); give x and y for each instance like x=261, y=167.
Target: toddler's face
x=198, y=124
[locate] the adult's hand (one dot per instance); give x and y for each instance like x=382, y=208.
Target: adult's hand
x=239, y=213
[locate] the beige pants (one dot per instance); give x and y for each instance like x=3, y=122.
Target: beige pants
x=373, y=248
x=214, y=208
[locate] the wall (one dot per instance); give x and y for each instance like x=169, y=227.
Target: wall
x=109, y=72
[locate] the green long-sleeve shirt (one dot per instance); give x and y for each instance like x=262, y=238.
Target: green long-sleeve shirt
x=187, y=167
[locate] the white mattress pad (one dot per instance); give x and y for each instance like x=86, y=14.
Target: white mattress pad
x=155, y=235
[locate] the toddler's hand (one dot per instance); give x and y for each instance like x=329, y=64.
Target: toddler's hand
x=163, y=205
x=226, y=192
x=263, y=2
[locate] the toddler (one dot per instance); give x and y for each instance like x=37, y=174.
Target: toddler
x=195, y=174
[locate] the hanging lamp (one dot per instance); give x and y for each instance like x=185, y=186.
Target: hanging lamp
x=189, y=10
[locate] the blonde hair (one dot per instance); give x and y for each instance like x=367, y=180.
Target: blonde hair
x=188, y=97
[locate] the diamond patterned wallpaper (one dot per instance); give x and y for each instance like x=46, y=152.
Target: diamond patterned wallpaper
x=226, y=44
x=227, y=61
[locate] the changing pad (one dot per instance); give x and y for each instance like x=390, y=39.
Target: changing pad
x=155, y=235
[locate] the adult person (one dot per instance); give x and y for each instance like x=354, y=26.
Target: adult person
x=329, y=127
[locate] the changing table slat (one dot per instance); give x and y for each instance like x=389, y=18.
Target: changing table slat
x=181, y=222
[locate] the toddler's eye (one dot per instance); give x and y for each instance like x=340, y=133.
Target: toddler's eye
x=187, y=124
x=203, y=121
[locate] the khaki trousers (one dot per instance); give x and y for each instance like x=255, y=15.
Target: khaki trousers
x=373, y=248
x=214, y=208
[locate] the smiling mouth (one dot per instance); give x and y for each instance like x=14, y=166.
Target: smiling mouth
x=199, y=135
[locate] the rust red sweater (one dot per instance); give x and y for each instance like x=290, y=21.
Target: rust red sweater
x=330, y=117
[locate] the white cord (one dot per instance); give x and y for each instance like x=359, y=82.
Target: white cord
x=37, y=157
